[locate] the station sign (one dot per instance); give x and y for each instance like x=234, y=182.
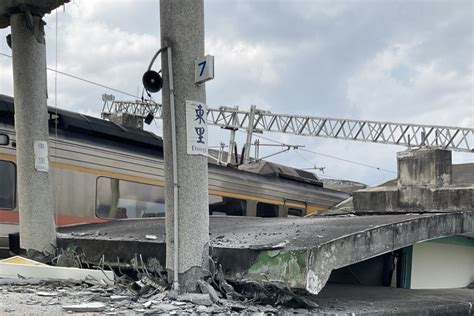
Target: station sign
x=196, y=128
x=204, y=69
x=40, y=151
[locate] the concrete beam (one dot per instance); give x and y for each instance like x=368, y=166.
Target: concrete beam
x=298, y=252
x=34, y=7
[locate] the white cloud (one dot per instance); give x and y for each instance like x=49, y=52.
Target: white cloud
x=321, y=8
x=393, y=86
x=257, y=64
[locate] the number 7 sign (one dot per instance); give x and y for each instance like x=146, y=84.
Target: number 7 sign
x=204, y=69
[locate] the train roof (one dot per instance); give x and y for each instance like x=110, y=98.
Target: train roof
x=280, y=171
x=96, y=131
x=90, y=129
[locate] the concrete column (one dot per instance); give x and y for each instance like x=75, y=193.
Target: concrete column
x=35, y=193
x=424, y=167
x=182, y=29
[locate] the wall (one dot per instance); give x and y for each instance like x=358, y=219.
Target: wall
x=443, y=263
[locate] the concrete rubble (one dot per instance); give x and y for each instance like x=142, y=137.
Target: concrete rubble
x=26, y=296
x=20, y=295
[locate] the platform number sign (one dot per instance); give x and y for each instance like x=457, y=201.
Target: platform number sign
x=196, y=128
x=204, y=69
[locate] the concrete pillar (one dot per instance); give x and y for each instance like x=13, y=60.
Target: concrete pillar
x=35, y=194
x=424, y=167
x=182, y=29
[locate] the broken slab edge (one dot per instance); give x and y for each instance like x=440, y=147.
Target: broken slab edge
x=379, y=240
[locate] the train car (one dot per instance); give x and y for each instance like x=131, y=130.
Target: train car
x=102, y=171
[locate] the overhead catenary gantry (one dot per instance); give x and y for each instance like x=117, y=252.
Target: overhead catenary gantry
x=403, y=134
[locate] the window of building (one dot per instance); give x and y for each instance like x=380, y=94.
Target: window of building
x=125, y=199
x=222, y=205
x=7, y=185
x=267, y=210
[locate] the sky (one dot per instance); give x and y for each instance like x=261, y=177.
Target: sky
x=397, y=61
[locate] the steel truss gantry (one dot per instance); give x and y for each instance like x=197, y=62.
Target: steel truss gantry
x=403, y=134
x=138, y=108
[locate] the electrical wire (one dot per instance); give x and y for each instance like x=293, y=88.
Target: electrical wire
x=326, y=155
x=304, y=158
x=270, y=140
x=85, y=80
x=348, y=161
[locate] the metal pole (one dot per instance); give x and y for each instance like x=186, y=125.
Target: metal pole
x=182, y=30
x=249, y=134
x=175, y=172
x=35, y=193
x=231, y=146
x=234, y=127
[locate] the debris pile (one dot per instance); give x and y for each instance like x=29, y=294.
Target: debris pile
x=143, y=289
x=49, y=296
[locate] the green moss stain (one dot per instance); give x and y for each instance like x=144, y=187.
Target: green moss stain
x=280, y=265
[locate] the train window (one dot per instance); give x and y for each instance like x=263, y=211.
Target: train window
x=4, y=140
x=267, y=210
x=7, y=185
x=295, y=212
x=222, y=205
x=124, y=199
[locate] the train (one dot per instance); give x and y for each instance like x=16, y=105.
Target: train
x=104, y=171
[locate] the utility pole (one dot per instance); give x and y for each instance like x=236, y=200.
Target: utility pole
x=182, y=30
x=34, y=183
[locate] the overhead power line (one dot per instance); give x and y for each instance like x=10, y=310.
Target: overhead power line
x=86, y=80
x=326, y=155
x=346, y=160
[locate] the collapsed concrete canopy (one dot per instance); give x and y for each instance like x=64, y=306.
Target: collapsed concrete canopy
x=298, y=252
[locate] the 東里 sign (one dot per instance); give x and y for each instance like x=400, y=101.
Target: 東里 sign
x=196, y=128
x=204, y=69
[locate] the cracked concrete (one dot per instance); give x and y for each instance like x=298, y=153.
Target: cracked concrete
x=256, y=248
